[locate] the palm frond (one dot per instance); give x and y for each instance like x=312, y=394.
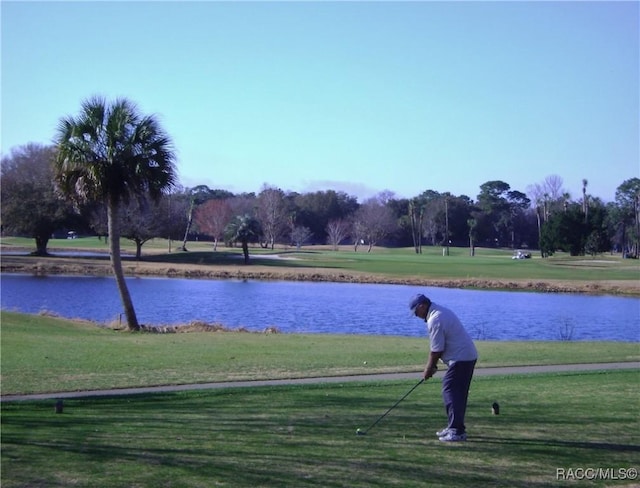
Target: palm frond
x=112, y=151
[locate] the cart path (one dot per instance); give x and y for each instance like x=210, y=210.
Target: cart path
x=507, y=370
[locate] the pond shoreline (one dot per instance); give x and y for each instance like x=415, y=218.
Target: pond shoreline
x=80, y=266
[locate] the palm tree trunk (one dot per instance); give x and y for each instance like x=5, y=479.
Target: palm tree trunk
x=245, y=251
x=113, y=225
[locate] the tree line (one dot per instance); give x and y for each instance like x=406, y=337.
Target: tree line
x=545, y=218
x=111, y=172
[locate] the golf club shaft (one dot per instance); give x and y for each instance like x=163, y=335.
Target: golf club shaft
x=395, y=405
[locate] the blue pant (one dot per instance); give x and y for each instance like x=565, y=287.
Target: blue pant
x=455, y=392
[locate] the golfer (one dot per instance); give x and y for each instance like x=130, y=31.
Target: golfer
x=450, y=343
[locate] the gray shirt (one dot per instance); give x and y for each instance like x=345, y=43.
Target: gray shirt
x=449, y=336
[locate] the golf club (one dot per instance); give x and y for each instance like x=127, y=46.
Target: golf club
x=363, y=432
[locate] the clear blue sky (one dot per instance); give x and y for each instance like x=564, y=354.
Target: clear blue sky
x=353, y=96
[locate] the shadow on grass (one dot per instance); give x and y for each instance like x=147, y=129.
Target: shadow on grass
x=268, y=437
x=200, y=258
x=556, y=443
x=305, y=436
x=225, y=258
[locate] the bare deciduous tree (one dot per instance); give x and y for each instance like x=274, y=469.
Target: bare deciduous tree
x=299, y=235
x=337, y=231
x=142, y=221
x=373, y=222
x=212, y=217
x=547, y=197
x=271, y=213
x=197, y=195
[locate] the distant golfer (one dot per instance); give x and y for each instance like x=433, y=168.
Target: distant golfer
x=451, y=343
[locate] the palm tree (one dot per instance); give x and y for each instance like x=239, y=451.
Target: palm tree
x=585, y=207
x=111, y=153
x=243, y=228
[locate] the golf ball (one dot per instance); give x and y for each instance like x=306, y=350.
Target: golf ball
x=357, y=431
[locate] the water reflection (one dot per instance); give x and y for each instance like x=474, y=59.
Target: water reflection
x=328, y=307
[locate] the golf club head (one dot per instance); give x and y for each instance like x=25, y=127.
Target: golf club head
x=360, y=432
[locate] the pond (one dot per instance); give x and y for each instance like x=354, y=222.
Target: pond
x=327, y=308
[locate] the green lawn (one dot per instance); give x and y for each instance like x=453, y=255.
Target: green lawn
x=304, y=436
x=45, y=354
x=486, y=264
x=396, y=262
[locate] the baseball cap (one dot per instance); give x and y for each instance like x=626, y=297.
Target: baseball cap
x=417, y=300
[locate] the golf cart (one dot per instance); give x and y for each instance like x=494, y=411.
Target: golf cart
x=521, y=255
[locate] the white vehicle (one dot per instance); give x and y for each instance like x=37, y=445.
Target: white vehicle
x=521, y=255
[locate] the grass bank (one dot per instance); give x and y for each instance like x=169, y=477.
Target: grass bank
x=550, y=426
x=47, y=354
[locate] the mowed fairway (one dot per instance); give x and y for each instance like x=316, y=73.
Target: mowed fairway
x=304, y=436
x=489, y=268
x=550, y=425
x=301, y=436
